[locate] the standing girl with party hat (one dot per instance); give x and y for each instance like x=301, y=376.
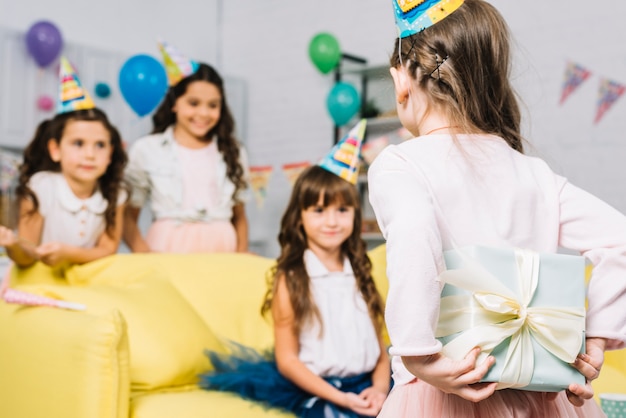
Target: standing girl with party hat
x=330, y=360
x=70, y=186
x=191, y=169
x=464, y=180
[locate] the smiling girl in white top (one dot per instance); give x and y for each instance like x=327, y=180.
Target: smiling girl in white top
x=70, y=186
x=327, y=313
x=191, y=171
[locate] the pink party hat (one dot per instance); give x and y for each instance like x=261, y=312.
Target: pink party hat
x=20, y=297
x=177, y=66
x=343, y=159
x=72, y=95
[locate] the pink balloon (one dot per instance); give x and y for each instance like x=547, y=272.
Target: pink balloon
x=45, y=103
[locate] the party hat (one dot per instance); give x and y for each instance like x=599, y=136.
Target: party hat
x=20, y=297
x=343, y=159
x=72, y=95
x=413, y=16
x=177, y=66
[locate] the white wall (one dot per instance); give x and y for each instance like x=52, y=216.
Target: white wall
x=265, y=43
x=130, y=26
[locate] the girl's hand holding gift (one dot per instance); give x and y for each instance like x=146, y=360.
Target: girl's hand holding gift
x=458, y=377
x=589, y=365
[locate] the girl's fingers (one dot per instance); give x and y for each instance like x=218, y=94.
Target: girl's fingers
x=469, y=362
x=475, y=375
x=477, y=392
x=583, y=364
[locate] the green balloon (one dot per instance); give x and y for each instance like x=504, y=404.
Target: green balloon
x=324, y=52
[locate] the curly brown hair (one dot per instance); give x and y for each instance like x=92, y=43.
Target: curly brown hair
x=224, y=129
x=37, y=158
x=472, y=85
x=314, y=182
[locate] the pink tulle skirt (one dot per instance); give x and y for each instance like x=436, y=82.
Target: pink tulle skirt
x=421, y=400
x=170, y=236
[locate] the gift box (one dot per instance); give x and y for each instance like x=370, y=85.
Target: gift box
x=524, y=308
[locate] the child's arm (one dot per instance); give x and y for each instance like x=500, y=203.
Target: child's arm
x=21, y=248
x=381, y=377
x=289, y=365
x=54, y=253
x=240, y=222
x=132, y=234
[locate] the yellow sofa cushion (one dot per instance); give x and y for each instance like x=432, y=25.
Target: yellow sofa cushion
x=167, y=338
x=76, y=363
x=200, y=404
x=225, y=290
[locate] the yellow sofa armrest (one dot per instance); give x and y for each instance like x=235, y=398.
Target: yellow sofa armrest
x=56, y=363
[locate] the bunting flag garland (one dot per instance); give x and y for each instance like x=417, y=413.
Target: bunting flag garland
x=575, y=75
x=293, y=170
x=610, y=91
x=373, y=147
x=259, y=179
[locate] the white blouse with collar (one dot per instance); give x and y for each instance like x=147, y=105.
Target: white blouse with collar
x=67, y=218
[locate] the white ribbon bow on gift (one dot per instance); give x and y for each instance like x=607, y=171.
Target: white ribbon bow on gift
x=492, y=313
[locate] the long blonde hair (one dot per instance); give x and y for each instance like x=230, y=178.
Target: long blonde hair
x=311, y=184
x=463, y=64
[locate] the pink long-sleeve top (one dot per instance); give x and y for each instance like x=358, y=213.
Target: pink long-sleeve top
x=435, y=192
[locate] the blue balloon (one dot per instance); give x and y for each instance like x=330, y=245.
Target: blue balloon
x=143, y=83
x=343, y=102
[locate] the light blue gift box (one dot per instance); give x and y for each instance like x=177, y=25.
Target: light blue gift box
x=561, y=284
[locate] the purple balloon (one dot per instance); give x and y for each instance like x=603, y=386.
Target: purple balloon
x=44, y=42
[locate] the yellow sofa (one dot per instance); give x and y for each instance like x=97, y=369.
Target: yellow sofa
x=137, y=349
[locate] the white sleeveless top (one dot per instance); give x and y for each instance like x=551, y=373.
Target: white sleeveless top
x=348, y=345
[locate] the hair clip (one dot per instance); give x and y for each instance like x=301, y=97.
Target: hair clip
x=439, y=64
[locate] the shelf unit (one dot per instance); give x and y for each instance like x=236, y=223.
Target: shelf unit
x=376, y=86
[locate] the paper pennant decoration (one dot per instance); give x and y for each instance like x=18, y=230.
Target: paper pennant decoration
x=575, y=75
x=177, y=66
x=343, y=158
x=293, y=170
x=373, y=147
x=72, y=95
x=610, y=92
x=414, y=16
x=259, y=179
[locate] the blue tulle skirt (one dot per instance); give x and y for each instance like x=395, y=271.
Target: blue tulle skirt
x=254, y=376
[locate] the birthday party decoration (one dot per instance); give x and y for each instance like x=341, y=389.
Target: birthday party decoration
x=610, y=91
x=177, y=66
x=343, y=158
x=575, y=75
x=293, y=170
x=102, y=90
x=72, y=95
x=413, y=16
x=325, y=52
x=45, y=103
x=343, y=102
x=44, y=42
x=143, y=83
x=373, y=147
x=259, y=179
x=20, y=297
